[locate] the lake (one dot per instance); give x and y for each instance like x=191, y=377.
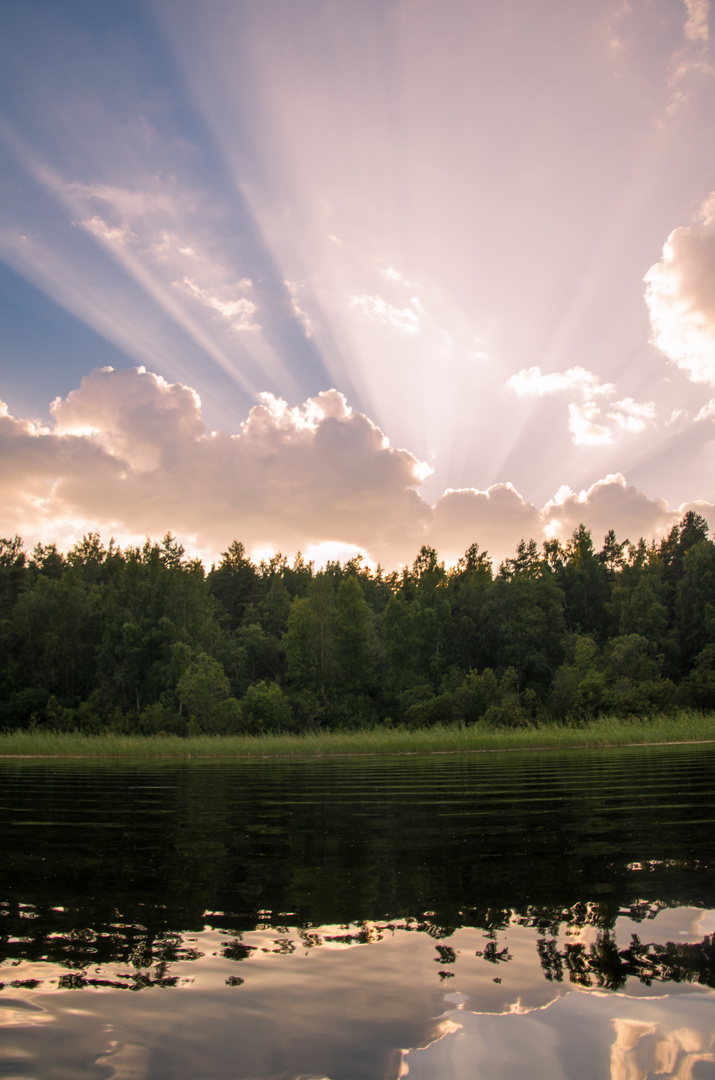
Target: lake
x=510, y=915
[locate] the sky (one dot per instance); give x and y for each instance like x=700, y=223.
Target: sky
x=356, y=275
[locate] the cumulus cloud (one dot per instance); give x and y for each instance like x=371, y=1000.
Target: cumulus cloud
x=611, y=503
x=127, y=453
x=496, y=518
x=680, y=293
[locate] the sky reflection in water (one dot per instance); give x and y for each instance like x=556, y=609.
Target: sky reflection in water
x=613, y=982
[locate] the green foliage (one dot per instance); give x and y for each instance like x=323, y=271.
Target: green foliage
x=143, y=641
x=266, y=708
x=205, y=692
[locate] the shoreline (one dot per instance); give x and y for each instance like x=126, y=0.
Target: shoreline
x=427, y=742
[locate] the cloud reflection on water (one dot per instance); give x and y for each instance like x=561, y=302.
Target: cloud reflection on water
x=589, y=1036
x=337, y=1002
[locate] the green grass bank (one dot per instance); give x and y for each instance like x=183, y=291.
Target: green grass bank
x=684, y=726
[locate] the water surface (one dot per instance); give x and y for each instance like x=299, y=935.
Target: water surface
x=522, y=914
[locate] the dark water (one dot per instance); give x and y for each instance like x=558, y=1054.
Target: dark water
x=506, y=915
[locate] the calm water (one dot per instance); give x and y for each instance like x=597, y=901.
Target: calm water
x=503, y=915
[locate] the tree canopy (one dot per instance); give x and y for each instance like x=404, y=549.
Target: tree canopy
x=145, y=640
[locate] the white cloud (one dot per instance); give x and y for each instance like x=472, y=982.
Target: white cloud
x=689, y=65
x=632, y=416
x=120, y=234
x=374, y=307
x=680, y=294
x=589, y=426
x=696, y=27
x=530, y=382
x=297, y=310
x=237, y=312
x=616, y=42
x=395, y=277
x=585, y=428
x=675, y=416
x=587, y=423
x=390, y=273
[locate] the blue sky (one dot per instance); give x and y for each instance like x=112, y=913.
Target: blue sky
x=368, y=275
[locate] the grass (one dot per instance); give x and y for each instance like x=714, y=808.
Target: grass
x=685, y=726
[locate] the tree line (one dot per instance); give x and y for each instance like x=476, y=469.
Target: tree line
x=143, y=639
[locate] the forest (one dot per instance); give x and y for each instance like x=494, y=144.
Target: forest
x=144, y=640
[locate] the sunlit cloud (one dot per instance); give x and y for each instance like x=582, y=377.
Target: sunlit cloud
x=632, y=416
x=616, y=42
x=374, y=307
x=676, y=417
x=121, y=234
x=690, y=65
x=680, y=294
x=128, y=453
x=496, y=519
x=300, y=315
x=238, y=313
x=610, y=503
x=696, y=27
x=530, y=382
x=585, y=427
x=589, y=424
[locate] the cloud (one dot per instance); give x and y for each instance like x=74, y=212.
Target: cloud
x=587, y=423
x=128, y=453
x=530, y=382
x=609, y=504
x=496, y=518
x=696, y=27
x=157, y=263
x=585, y=427
x=589, y=427
x=135, y=416
x=238, y=313
x=374, y=307
x=690, y=62
x=616, y=45
x=120, y=234
x=298, y=312
x=632, y=416
x=680, y=293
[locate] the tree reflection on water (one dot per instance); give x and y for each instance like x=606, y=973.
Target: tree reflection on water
x=324, y=903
